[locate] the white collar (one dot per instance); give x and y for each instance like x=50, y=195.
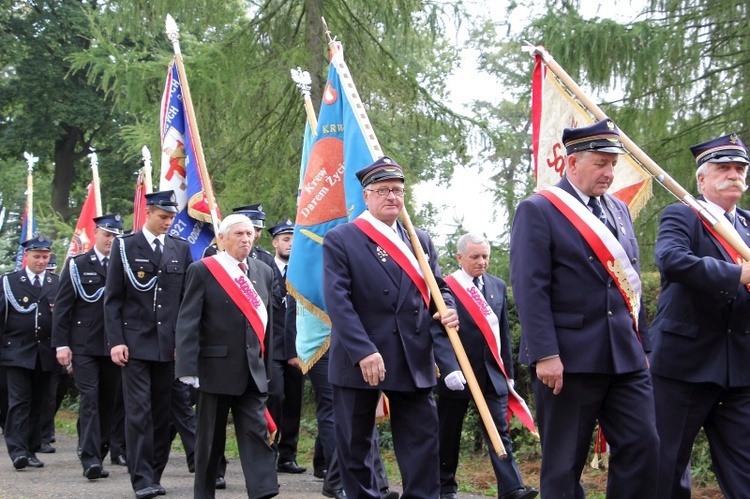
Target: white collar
x=717, y=210
x=101, y=256
x=31, y=275
x=150, y=237
x=468, y=276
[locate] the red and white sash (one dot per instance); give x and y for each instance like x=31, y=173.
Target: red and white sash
x=606, y=247
x=387, y=239
x=487, y=321
x=734, y=255
x=240, y=289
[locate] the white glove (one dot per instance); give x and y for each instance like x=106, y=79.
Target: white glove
x=455, y=381
x=191, y=380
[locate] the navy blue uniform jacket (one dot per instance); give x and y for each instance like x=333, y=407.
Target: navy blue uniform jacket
x=375, y=307
x=567, y=302
x=701, y=332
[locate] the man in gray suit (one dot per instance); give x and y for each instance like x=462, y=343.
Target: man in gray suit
x=224, y=333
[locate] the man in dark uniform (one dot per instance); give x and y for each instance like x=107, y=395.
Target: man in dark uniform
x=583, y=327
x=486, y=339
x=285, y=389
x=380, y=338
x=701, y=333
x=81, y=343
x=145, y=284
x=28, y=296
x=224, y=333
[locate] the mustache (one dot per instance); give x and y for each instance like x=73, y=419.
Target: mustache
x=731, y=183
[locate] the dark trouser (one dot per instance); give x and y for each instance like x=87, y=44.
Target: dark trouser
x=26, y=392
x=414, y=426
x=182, y=419
x=56, y=391
x=285, y=405
x=256, y=455
x=451, y=413
x=682, y=408
x=147, y=389
x=96, y=379
x=117, y=433
x=624, y=406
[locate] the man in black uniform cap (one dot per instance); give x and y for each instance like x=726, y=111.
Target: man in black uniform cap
x=142, y=297
x=81, y=343
x=28, y=296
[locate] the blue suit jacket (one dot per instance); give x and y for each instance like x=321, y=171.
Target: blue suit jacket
x=375, y=307
x=483, y=363
x=567, y=302
x=701, y=331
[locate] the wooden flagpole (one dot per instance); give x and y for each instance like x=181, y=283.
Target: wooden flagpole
x=437, y=296
x=173, y=33
x=97, y=190
x=31, y=160
x=147, y=170
x=720, y=224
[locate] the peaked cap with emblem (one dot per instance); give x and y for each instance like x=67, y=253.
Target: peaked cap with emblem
x=725, y=149
x=111, y=223
x=254, y=212
x=602, y=136
x=285, y=227
x=52, y=264
x=37, y=243
x=382, y=169
x=166, y=200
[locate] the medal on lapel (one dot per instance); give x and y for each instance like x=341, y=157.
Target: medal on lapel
x=381, y=254
x=141, y=274
x=25, y=299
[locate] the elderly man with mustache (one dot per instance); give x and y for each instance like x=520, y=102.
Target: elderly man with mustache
x=701, y=333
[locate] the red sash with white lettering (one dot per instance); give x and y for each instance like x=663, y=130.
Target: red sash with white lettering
x=733, y=254
x=239, y=288
x=387, y=239
x=481, y=313
x=606, y=247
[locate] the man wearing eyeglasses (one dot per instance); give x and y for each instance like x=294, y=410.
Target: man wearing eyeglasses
x=380, y=311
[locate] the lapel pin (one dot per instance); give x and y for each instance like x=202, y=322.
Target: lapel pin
x=381, y=254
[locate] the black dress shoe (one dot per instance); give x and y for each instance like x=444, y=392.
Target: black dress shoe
x=47, y=449
x=105, y=473
x=290, y=467
x=524, y=493
x=145, y=493
x=35, y=463
x=119, y=460
x=160, y=491
x=20, y=462
x=389, y=494
x=93, y=472
x=320, y=473
x=448, y=495
x=221, y=483
x=336, y=493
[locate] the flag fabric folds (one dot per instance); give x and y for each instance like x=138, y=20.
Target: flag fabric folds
x=553, y=108
x=83, y=237
x=329, y=194
x=180, y=170
x=139, y=202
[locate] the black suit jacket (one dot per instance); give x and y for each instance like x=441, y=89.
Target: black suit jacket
x=215, y=342
x=483, y=363
x=145, y=321
x=23, y=338
x=77, y=323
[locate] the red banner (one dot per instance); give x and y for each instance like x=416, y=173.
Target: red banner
x=83, y=237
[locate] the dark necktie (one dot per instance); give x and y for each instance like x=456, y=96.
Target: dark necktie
x=37, y=282
x=105, y=262
x=243, y=267
x=157, y=249
x=283, y=273
x=729, y=217
x=478, y=284
x=596, y=209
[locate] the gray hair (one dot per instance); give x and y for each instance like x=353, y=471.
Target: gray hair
x=464, y=240
x=233, y=219
x=702, y=170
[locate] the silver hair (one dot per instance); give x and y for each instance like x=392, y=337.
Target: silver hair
x=233, y=219
x=464, y=240
x=702, y=170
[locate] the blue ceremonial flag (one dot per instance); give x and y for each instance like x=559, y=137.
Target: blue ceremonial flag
x=180, y=171
x=329, y=194
x=28, y=230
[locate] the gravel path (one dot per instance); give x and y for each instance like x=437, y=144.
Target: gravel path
x=62, y=478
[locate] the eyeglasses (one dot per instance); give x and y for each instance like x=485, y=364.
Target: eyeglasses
x=384, y=191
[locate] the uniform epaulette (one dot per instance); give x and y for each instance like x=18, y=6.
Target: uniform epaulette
x=11, y=272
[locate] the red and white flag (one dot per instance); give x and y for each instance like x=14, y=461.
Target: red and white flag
x=553, y=108
x=139, y=202
x=83, y=237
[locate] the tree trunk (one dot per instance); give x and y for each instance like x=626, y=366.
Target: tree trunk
x=65, y=161
x=315, y=38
